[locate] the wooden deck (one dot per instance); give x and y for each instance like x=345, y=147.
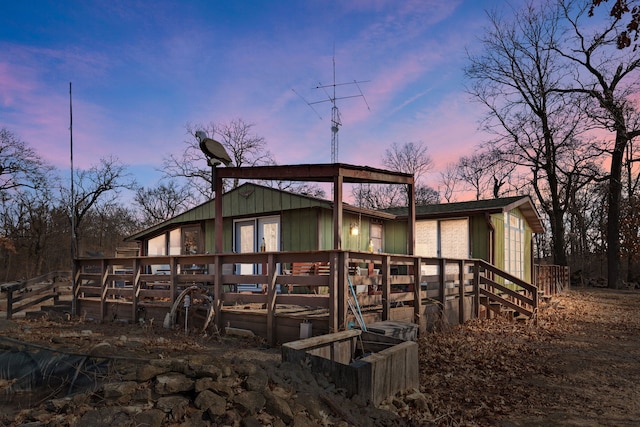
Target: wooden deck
x=425, y=291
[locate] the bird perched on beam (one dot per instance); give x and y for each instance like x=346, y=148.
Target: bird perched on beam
x=214, y=150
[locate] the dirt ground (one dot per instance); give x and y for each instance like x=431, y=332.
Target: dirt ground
x=578, y=366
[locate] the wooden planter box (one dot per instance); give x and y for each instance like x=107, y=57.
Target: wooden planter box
x=387, y=366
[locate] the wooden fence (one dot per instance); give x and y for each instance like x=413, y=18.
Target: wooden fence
x=551, y=279
x=258, y=291
x=33, y=292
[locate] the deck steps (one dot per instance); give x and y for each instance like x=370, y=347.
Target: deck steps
x=61, y=310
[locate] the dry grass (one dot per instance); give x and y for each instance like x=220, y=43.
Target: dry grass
x=573, y=368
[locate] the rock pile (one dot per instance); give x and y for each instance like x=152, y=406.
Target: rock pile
x=202, y=390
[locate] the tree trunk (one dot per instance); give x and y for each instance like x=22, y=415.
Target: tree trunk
x=613, y=220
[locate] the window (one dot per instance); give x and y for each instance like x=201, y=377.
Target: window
x=157, y=245
x=514, y=245
x=191, y=241
x=375, y=233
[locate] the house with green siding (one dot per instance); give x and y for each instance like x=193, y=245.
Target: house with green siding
x=259, y=218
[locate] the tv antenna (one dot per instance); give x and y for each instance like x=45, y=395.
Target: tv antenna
x=336, y=120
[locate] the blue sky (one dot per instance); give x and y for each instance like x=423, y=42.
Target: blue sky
x=141, y=70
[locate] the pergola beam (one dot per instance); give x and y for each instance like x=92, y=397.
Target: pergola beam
x=336, y=173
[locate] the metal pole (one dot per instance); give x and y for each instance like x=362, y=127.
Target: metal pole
x=73, y=213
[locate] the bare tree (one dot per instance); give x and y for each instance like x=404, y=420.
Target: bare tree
x=163, y=202
x=472, y=170
x=486, y=172
x=608, y=77
x=426, y=195
x=412, y=158
x=371, y=196
x=20, y=166
x=516, y=78
x=449, y=180
x=95, y=189
x=25, y=197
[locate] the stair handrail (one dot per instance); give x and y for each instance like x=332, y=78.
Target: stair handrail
x=526, y=301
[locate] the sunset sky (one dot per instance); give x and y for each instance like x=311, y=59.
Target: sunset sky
x=140, y=71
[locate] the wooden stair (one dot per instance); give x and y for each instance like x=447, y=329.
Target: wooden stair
x=59, y=311
x=509, y=311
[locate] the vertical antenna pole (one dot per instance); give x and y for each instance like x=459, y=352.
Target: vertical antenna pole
x=335, y=118
x=336, y=121
x=73, y=211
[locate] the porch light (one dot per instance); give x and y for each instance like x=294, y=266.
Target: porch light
x=354, y=230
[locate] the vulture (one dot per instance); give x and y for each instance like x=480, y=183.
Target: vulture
x=213, y=149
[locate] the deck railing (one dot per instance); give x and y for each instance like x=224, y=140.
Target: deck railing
x=551, y=279
x=388, y=287
x=24, y=294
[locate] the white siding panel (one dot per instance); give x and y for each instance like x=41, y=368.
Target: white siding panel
x=454, y=238
x=427, y=238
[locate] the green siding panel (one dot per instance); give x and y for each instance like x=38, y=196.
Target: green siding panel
x=299, y=230
x=480, y=237
x=395, y=237
x=498, y=225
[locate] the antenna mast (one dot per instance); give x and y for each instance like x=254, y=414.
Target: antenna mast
x=336, y=120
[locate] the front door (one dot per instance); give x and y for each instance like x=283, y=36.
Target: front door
x=248, y=237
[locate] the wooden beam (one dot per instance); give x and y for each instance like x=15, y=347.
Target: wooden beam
x=337, y=213
x=317, y=173
x=411, y=221
x=218, y=213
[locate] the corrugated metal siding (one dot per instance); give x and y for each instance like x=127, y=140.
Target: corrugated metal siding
x=325, y=230
x=528, y=243
x=255, y=200
x=479, y=238
x=299, y=229
x=498, y=223
x=395, y=237
x=354, y=243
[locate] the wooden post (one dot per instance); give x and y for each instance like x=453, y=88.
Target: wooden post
x=341, y=291
x=441, y=288
x=271, y=301
x=103, y=290
x=534, y=310
x=461, y=291
x=75, y=286
x=417, y=293
x=218, y=289
x=411, y=220
x=9, y=303
x=336, y=272
x=218, y=214
x=476, y=289
x=173, y=269
x=386, y=288
x=337, y=212
x=135, y=289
